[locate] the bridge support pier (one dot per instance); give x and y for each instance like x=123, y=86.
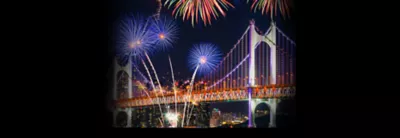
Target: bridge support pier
x=129, y=119
x=272, y=105
x=251, y=109
x=115, y=112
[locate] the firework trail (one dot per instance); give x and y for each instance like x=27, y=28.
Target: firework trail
x=141, y=85
x=190, y=114
x=191, y=88
x=272, y=6
x=199, y=9
x=173, y=83
x=190, y=92
x=204, y=57
x=148, y=73
x=140, y=73
x=158, y=81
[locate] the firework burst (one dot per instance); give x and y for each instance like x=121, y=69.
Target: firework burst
x=272, y=6
x=164, y=31
x=134, y=39
x=205, y=55
x=195, y=9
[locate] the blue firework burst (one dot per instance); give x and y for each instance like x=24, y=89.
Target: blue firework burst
x=134, y=39
x=164, y=31
x=206, y=55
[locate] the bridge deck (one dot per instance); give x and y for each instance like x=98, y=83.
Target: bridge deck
x=208, y=96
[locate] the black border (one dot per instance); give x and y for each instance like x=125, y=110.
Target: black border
x=72, y=85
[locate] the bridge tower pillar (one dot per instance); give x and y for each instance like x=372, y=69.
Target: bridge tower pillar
x=254, y=40
x=115, y=69
x=128, y=69
x=251, y=83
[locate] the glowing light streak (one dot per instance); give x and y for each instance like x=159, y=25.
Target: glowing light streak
x=173, y=83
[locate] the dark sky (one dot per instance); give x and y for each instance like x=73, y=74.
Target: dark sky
x=223, y=32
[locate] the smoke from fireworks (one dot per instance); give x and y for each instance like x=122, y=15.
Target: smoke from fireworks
x=272, y=6
x=196, y=9
x=164, y=31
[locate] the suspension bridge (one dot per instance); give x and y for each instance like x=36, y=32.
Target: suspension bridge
x=260, y=68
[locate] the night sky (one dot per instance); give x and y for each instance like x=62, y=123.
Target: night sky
x=223, y=32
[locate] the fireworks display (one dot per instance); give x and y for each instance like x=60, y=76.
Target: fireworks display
x=205, y=54
x=164, y=31
x=140, y=37
x=134, y=37
x=271, y=6
x=199, y=9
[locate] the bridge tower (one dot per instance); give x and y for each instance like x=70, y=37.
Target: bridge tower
x=255, y=39
x=128, y=69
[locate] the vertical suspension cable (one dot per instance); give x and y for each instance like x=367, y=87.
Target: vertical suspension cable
x=246, y=65
x=287, y=63
x=232, y=66
x=283, y=59
x=259, y=63
x=291, y=64
x=221, y=74
x=226, y=72
x=237, y=63
x=262, y=64
x=230, y=69
x=283, y=62
x=278, y=61
x=294, y=64
x=269, y=65
x=241, y=65
x=239, y=59
x=266, y=64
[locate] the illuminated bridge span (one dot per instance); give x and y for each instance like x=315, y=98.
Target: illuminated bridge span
x=259, y=66
x=209, y=96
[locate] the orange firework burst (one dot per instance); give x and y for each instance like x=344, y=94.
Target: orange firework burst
x=202, y=9
x=271, y=6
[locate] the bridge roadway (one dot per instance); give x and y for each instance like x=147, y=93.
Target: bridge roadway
x=261, y=92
